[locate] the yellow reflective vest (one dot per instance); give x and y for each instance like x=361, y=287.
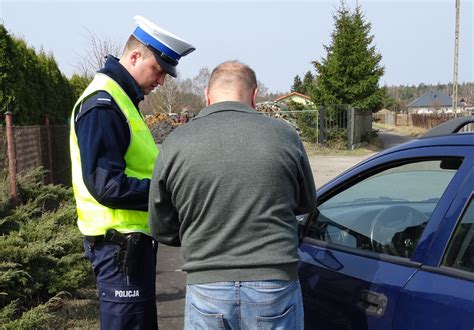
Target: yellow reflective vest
x=93, y=217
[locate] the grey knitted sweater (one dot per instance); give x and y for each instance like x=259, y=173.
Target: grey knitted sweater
x=227, y=187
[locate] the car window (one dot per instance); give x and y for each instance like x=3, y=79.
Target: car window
x=460, y=252
x=386, y=212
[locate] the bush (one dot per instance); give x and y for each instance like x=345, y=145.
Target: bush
x=308, y=124
x=40, y=251
x=336, y=138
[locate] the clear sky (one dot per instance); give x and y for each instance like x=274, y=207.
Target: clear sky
x=278, y=39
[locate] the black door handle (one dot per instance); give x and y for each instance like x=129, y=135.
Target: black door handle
x=372, y=303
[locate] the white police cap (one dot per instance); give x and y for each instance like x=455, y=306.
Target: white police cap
x=167, y=47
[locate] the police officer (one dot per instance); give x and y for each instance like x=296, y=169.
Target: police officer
x=113, y=155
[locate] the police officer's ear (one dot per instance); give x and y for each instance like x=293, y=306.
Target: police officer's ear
x=134, y=56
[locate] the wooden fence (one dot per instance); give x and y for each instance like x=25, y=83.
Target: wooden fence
x=427, y=121
x=44, y=146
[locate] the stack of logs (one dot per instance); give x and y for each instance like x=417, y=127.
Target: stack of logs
x=161, y=124
x=278, y=111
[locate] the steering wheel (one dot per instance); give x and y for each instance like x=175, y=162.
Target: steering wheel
x=387, y=231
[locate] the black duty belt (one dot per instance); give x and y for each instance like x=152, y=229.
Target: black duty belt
x=129, y=259
x=111, y=236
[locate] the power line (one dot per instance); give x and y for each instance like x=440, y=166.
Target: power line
x=456, y=58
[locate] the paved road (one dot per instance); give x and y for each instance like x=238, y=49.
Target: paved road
x=391, y=139
x=170, y=288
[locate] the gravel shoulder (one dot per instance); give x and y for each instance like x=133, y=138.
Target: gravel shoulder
x=326, y=168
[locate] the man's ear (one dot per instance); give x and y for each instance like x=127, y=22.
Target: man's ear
x=208, y=99
x=254, y=98
x=135, y=56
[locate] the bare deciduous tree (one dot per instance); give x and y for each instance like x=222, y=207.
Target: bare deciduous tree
x=163, y=99
x=199, y=82
x=94, y=55
x=169, y=95
x=178, y=95
x=262, y=91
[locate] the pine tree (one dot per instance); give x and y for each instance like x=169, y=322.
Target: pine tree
x=308, y=83
x=351, y=70
x=297, y=85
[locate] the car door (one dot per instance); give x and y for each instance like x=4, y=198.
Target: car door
x=441, y=294
x=362, y=248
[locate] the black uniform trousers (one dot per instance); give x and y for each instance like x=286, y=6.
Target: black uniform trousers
x=126, y=301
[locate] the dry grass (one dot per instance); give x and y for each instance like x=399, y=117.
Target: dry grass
x=340, y=150
x=405, y=130
x=81, y=312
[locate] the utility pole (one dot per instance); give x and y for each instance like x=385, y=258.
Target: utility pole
x=456, y=59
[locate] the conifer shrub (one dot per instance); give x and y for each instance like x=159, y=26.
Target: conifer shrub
x=41, y=252
x=308, y=124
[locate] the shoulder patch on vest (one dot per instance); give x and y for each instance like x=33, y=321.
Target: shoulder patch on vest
x=96, y=100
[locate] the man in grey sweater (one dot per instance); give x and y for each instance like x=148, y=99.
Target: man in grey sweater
x=226, y=188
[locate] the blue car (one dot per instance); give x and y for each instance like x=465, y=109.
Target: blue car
x=391, y=244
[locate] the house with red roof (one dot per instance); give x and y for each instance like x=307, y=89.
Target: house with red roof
x=295, y=97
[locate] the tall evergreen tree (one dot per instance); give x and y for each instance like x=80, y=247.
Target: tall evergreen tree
x=297, y=85
x=7, y=72
x=351, y=70
x=308, y=83
x=31, y=84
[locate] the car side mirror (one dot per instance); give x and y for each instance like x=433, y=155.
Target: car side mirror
x=450, y=164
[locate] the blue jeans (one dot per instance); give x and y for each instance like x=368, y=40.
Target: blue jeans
x=244, y=305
